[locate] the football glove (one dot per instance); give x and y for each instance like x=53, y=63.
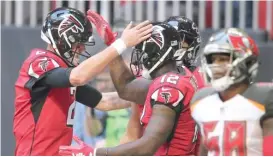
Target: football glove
x=103, y=27
x=82, y=150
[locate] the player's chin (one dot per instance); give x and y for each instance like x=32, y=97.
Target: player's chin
x=218, y=75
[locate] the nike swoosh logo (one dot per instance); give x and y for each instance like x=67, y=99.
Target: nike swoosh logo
x=165, y=89
x=40, y=52
x=43, y=59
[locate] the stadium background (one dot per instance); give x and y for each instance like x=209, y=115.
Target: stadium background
x=21, y=23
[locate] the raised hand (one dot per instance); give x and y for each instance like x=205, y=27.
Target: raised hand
x=134, y=35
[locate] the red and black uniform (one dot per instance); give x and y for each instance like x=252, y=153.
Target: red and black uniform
x=44, y=105
x=175, y=91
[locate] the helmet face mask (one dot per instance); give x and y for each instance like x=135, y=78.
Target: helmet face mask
x=136, y=64
x=65, y=28
x=241, y=65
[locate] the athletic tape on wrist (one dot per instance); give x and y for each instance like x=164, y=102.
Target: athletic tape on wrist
x=119, y=45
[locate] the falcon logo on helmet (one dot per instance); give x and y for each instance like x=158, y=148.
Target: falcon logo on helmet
x=70, y=23
x=157, y=36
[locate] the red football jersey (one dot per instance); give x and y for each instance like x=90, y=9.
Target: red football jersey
x=174, y=89
x=43, y=116
x=197, y=73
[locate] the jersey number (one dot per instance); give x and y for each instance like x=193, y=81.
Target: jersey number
x=71, y=109
x=170, y=79
x=70, y=115
x=234, y=138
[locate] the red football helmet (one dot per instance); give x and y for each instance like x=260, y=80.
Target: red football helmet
x=243, y=54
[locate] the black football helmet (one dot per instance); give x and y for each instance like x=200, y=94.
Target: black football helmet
x=189, y=34
x=243, y=53
x=161, y=47
x=135, y=57
x=64, y=27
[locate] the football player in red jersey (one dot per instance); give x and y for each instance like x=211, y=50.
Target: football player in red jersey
x=190, y=43
x=235, y=114
x=48, y=78
x=168, y=126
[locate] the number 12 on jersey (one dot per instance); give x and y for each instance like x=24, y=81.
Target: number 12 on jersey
x=170, y=79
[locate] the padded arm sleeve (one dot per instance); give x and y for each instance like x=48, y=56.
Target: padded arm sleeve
x=57, y=78
x=88, y=96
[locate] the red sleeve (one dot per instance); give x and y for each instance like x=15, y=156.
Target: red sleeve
x=168, y=96
x=41, y=65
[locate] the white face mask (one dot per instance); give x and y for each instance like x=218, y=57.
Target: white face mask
x=146, y=74
x=222, y=83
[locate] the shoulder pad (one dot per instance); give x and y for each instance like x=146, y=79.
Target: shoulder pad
x=202, y=93
x=41, y=65
x=167, y=95
x=260, y=92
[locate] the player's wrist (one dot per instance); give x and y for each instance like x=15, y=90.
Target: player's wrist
x=119, y=45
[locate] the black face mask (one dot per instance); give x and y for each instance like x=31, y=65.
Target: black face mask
x=136, y=64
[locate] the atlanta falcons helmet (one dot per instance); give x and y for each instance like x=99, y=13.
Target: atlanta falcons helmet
x=162, y=46
x=64, y=27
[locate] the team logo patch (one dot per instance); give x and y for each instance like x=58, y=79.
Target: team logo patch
x=43, y=64
x=166, y=96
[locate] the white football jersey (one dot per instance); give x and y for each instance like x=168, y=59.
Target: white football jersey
x=231, y=128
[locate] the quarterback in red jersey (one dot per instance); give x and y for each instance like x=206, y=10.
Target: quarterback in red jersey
x=168, y=126
x=46, y=86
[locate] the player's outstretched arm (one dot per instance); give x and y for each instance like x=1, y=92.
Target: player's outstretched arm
x=127, y=86
x=134, y=129
x=154, y=136
x=89, y=68
x=111, y=101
